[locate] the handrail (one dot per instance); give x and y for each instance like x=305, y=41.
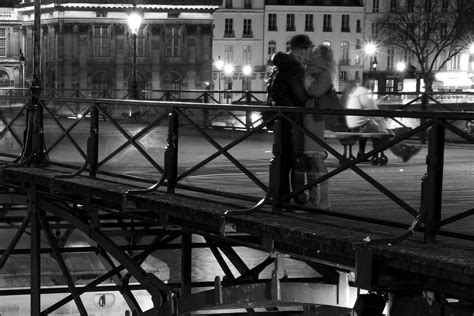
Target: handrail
x=266, y=193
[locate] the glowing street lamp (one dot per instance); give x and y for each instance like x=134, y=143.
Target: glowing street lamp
x=219, y=64
x=228, y=70
x=401, y=66
x=22, y=61
x=247, y=70
x=370, y=48
x=471, y=57
x=134, y=22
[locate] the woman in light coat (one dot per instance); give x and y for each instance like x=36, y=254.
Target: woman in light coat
x=320, y=71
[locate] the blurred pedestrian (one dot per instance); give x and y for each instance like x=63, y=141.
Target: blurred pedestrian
x=359, y=97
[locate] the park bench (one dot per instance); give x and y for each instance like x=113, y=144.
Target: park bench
x=348, y=139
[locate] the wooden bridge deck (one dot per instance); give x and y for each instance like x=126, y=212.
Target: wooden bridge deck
x=448, y=264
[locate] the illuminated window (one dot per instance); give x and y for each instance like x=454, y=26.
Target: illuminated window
x=358, y=27
x=4, y=79
x=229, y=28
x=247, y=32
x=272, y=22
x=327, y=23
x=100, y=84
x=247, y=55
x=228, y=54
x=375, y=7
x=374, y=30
x=140, y=43
x=173, y=81
x=345, y=53
x=390, y=59
x=173, y=39
x=393, y=5
x=271, y=48
x=309, y=23
x=290, y=22
x=101, y=41
x=3, y=42
x=345, y=23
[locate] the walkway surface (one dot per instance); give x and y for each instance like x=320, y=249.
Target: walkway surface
x=448, y=263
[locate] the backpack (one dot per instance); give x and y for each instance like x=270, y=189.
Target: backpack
x=271, y=84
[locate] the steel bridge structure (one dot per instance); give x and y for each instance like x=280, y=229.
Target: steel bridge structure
x=133, y=190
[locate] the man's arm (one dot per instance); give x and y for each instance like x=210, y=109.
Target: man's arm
x=296, y=84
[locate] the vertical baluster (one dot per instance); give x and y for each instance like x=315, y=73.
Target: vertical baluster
x=171, y=153
x=432, y=185
x=206, y=111
x=248, y=113
x=279, y=166
x=93, y=142
x=35, y=255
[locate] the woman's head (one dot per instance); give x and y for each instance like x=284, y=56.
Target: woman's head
x=321, y=57
x=324, y=51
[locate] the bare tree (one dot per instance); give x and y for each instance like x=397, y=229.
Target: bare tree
x=434, y=31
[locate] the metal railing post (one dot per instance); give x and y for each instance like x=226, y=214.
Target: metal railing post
x=279, y=166
x=35, y=255
x=93, y=143
x=205, y=112
x=171, y=152
x=432, y=185
x=34, y=152
x=424, y=108
x=248, y=114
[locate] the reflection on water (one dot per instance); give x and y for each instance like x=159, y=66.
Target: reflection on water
x=205, y=266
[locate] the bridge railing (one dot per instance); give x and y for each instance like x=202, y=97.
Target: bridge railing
x=175, y=153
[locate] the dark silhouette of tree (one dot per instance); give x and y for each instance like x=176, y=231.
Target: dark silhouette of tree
x=434, y=31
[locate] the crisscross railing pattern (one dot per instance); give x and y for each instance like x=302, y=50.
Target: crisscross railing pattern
x=255, y=186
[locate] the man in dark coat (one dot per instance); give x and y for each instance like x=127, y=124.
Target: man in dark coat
x=290, y=91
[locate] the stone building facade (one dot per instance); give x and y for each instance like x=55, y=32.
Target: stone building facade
x=87, y=45
x=11, y=67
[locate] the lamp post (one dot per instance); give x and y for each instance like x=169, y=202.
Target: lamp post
x=401, y=66
x=247, y=71
x=219, y=64
x=134, y=21
x=370, y=50
x=471, y=59
x=22, y=61
x=228, y=70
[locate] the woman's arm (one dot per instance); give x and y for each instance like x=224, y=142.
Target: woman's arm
x=319, y=84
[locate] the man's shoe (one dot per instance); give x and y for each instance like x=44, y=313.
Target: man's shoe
x=301, y=199
x=410, y=152
x=360, y=154
x=324, y=205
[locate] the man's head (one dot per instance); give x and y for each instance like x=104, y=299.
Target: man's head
x=300, y=45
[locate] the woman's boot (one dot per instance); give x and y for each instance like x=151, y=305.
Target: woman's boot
x=311, y=176
x=324, y=202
